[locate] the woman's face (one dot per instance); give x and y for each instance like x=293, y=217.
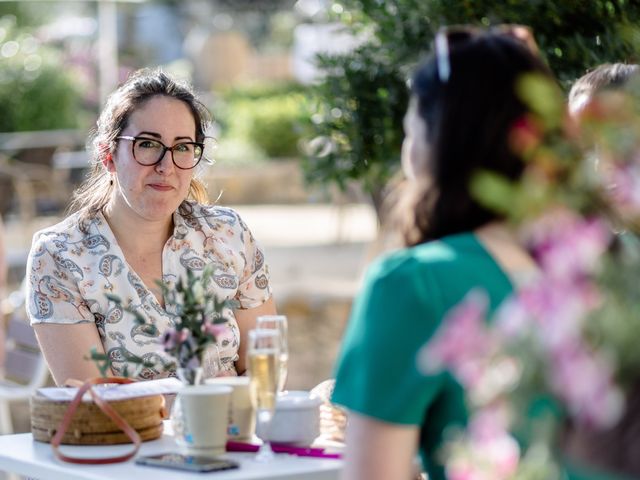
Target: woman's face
x=153, y=192
x=415, y=150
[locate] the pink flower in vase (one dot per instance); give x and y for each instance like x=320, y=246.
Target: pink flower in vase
x=169, y=339
x=214, y=329
x=183, y=335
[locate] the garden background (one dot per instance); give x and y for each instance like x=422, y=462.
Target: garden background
x=308, y=98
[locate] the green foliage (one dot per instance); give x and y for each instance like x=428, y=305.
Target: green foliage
x=367, y=87
x=35, y=92
x=271, y=119
x=358, y=119
x=275, y=124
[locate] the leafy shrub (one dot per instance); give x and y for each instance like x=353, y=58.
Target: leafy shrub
x=270, y=118
x=276, y=124
x=35, y=91
x=367, y=87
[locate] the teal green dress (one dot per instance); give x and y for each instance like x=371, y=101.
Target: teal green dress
x=403, y=301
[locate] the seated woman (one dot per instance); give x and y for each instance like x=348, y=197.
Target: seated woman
x=463, y=105
x=141, y=217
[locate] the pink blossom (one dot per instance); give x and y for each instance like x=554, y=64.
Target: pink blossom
x=462, y=343
x=513, y=319
x=487, y=453
x=169, y=340
x=183, y=335
x=571, y=246
x=622, y=182
x=583, y=379
x=556, y=307
x=214, y=329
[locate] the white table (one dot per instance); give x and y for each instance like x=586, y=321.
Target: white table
x=20, y=454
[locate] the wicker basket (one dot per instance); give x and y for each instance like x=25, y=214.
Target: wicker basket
x=333, y=419
x=90, y=426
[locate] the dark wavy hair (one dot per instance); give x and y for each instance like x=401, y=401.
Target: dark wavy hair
x=93, y=195
x=468, y=118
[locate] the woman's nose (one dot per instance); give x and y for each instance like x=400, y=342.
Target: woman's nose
x=166, y=162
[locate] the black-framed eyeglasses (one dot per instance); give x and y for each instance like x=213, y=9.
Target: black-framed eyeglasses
x=448, y=37
x=148, y=152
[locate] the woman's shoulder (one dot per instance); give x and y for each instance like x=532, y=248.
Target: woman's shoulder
x=67, y=230
x=209, y=214
x=449, y=252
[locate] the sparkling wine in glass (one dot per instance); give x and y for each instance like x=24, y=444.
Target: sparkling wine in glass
x=278, y=323
x=263, y=358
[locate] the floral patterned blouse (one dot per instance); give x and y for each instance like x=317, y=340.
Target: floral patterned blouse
x=71, y=268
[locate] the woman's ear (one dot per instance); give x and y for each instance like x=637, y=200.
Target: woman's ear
x=107, y=159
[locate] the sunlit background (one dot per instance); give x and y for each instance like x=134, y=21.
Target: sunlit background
x=252, y=63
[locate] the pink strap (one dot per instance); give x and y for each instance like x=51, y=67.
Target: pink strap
x=108, y=411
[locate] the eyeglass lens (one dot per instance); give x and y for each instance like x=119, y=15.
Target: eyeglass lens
x=149, y=152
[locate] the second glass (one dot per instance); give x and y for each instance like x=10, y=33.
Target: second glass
x=278, y=323
x=263, y=358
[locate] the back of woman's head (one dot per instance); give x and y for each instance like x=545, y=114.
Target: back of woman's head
x=469, y=112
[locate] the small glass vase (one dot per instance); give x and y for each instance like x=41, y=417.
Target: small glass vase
x=189, y=377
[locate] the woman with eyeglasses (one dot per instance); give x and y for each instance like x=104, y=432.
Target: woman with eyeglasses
x=141, y=217
x=463, y=104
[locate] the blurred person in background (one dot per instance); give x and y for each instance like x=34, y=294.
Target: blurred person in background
x=463, y=105
x=608, y=76
x=141, y=217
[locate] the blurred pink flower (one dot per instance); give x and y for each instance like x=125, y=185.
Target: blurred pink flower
x=462, y=343
x=489, y=452
x=622, y=183
x=182, y=335
x=214, y=329
x=571, y=247
x=169, y=339
x=584, y=380
x=555, y=308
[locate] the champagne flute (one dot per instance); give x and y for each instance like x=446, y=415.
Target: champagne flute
x=263, y=356
x=279, y=323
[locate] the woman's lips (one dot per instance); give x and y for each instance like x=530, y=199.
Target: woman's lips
x=160, y=187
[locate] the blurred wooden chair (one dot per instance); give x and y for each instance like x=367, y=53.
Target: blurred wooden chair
x=25, y=369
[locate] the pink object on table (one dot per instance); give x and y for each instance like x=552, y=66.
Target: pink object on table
x=281, y=448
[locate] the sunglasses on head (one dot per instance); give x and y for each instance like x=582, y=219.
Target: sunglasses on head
x=448, y=37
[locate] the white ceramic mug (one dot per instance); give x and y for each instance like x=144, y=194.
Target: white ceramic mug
x=297, y=419
x=206, y=413
x=241, y=415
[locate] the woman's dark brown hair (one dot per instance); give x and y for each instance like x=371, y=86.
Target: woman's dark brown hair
x=92, y=196
x=468, y=117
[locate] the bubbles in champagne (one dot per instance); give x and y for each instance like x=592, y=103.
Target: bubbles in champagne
x=264, y=368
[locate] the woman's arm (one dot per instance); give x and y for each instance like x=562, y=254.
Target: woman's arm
x=66, y=349
x=377, y=450
x=246, y=319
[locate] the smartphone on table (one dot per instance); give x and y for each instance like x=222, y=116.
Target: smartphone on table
x=191, y=463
